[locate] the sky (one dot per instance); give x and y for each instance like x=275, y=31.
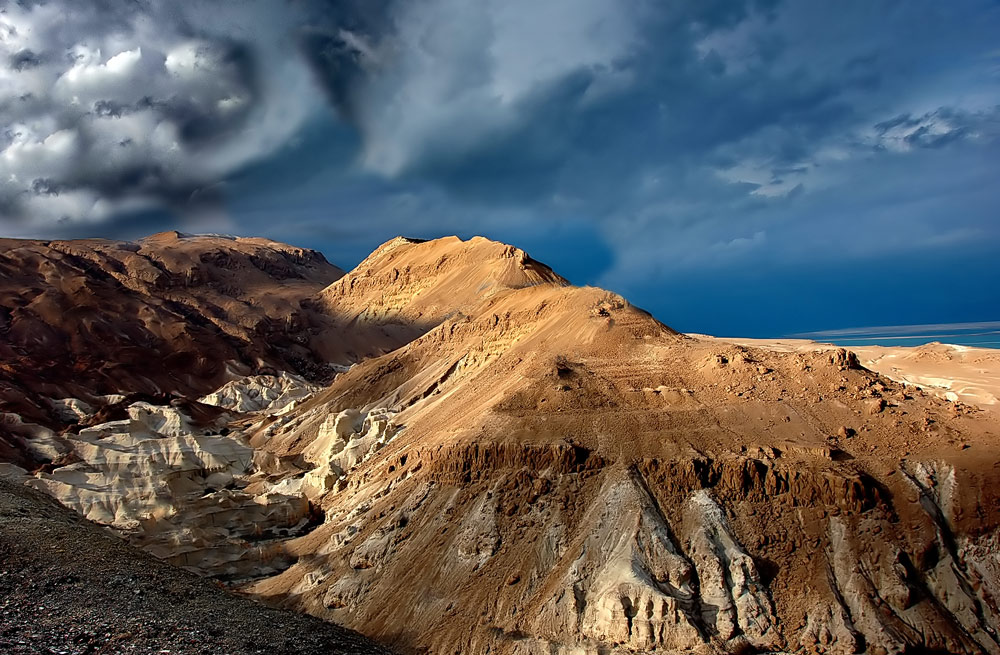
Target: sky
x=736, y=167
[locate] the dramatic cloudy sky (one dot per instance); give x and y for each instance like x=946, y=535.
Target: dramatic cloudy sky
x=750, y=167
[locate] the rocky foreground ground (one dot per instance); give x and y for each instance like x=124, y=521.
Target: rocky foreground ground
x=68, y=587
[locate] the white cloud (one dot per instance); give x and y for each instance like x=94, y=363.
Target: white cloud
x=140, y=104
x=764, y=179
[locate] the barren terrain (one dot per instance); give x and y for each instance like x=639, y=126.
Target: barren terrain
x=506, y=463
x=954, y=372
x=67, y=586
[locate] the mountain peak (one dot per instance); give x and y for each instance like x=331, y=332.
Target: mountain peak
x=406, y=280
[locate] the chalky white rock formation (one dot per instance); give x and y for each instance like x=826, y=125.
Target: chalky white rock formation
x=185, y=492
x=257, y=393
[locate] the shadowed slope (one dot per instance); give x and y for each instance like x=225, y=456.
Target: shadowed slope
x=170, y=314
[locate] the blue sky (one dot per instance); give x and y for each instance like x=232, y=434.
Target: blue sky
x=756, y=167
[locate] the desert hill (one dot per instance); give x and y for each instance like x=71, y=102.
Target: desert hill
x=516, y=465
x=956, y=373
x=572, y=474
x=168, y=315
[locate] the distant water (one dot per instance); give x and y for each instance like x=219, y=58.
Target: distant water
x=978, y=335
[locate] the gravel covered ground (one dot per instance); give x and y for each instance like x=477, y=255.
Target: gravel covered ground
x=70, y=587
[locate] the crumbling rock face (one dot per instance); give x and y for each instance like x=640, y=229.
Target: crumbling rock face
x=896, y=609
x=181, y=490
x=344, y=441
x=628, y=584
x=597, y=562
x=272, y=393
x=829, y=630
x=479, y=537
x=734, y=603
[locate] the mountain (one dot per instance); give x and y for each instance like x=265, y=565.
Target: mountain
x=512, y=464
x=170, y=315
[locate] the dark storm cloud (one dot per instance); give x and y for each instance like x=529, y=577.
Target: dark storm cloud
x=442, y=94
x=339, y=67
x=448, y=94
x=24, y=59
x=334, y=45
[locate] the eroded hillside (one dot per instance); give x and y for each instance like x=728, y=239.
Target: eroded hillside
x=167, y=316
x=532, y=467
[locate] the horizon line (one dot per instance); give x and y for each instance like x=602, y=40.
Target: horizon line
x=907, y=331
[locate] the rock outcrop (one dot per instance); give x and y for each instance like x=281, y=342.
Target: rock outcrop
x=272, y=393
x=183, y=490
